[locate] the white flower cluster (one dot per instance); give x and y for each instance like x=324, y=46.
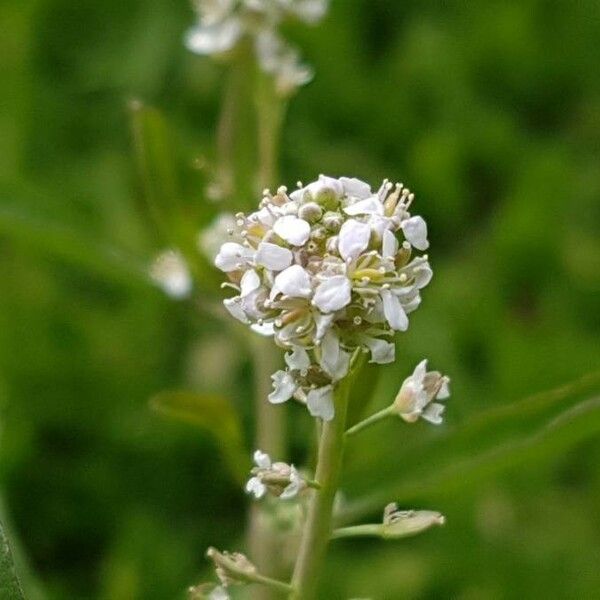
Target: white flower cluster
x=326, y=269
x=224, y=23
x=279, y=478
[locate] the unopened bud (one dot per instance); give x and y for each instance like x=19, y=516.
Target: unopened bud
x=310, y=212
x=231, y=568
x=404, y=523
x=333, y=220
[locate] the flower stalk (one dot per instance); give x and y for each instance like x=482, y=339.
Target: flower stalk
x=318, y=524
x=375, y=418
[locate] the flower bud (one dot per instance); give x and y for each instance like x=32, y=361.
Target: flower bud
x=310, y=212
x=417, y=394
x=231, y=568
x=404, y=523
x=333, y=220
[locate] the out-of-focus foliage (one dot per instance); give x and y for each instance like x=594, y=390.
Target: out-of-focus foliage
x=490, y=111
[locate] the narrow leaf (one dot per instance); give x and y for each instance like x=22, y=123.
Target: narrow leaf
x=500, y=438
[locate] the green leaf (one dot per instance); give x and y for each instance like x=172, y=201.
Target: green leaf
x=500, y=438
x=10, y=587
x=214, y=414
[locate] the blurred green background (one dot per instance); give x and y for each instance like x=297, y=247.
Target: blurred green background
x=490, y=111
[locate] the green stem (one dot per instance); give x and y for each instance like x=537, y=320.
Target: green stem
x=279, y=586
x=368, y=530
x=317, y=529
x=378, y=416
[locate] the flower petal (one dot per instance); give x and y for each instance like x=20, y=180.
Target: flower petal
x=273, y=257
x=232, y=257
x=256, y=487
x=368, y=206
x=353, y=238
x=320, y=403
x=355, y=187
x=323, y=323
x=266, y=329
x=415, y=232
x=250, y=281
x=297, y=359
x=382, y=352
x=444, y=389
x=294, y=487
x=235, y=308
x=284, y=387
x=261, y=459
x=433, y=413
x=293, y=281
x=292, y=229
x=333, y=294
x=393, y=311
x=389, y=247
x=325, y=184
x=334, y=361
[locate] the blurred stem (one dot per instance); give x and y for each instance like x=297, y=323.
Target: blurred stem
x=270, y=112
x=269, y=420
x=317, y=530
x=226, y=131
x=269, y=437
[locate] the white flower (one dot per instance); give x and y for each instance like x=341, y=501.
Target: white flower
x=223, y=23
x=415, y=232
x=215, y=38
x=418, y=392
x=282, y=62
x=279, y=478
x=232, y=257
x=170, y=271
x=320, y=403
x=327, y=284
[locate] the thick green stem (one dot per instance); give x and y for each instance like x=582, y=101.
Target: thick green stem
x=317, y=529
